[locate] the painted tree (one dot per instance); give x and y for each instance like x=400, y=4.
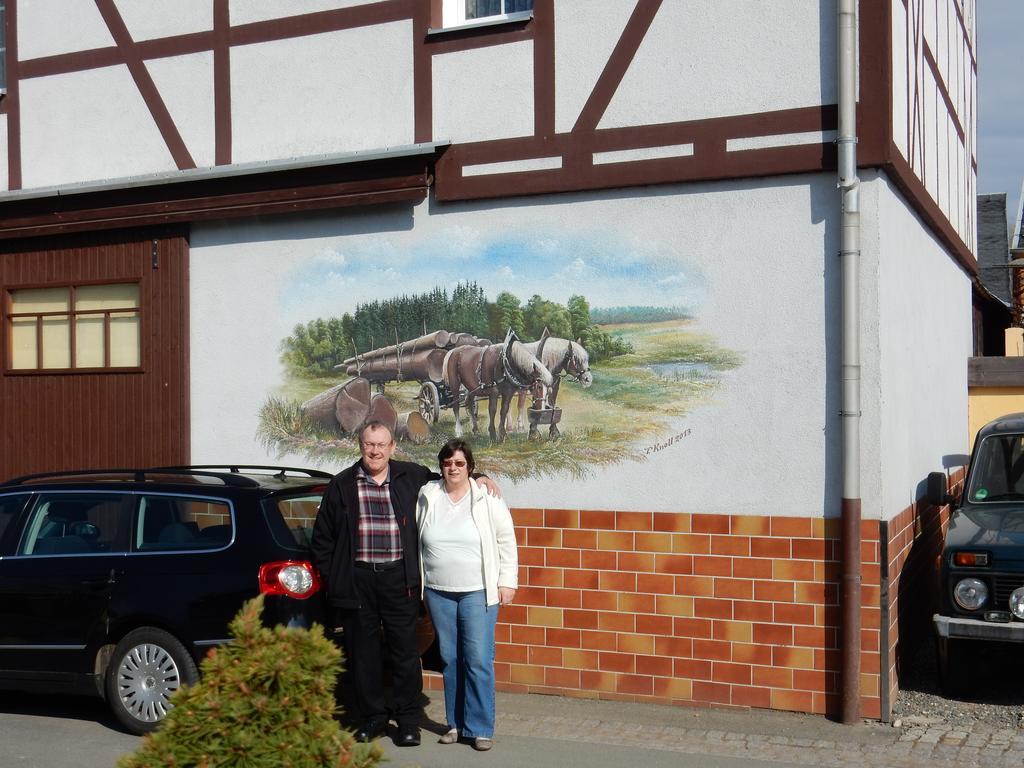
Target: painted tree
x=506, y=312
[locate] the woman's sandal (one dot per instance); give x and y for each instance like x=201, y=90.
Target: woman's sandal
x=450, y=737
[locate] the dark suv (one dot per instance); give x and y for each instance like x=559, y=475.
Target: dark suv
x=981, y=572
x=116, y=583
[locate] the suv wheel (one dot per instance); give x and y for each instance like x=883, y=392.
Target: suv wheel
x=148, y=666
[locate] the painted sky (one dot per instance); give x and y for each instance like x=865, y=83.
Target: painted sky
x=607, y=270
x=1001, y=100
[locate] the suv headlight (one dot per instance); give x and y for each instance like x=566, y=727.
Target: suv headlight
x=970, y=594
x=1017, y=603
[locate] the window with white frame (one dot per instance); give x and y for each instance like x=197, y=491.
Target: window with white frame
x=467, y=11
x=73, y=327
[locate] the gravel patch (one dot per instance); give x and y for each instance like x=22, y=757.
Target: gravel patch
x=998, y=700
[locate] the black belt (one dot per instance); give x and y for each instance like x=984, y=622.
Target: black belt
x=378, y=566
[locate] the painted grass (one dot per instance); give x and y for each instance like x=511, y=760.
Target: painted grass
x=628, y=406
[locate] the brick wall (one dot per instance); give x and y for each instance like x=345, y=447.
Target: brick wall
x=723, y=610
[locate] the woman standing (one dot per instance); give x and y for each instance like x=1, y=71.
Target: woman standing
x=469, y=569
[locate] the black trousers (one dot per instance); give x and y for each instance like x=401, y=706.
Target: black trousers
x=385, y=623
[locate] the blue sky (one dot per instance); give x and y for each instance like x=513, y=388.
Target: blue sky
x=1001, y=99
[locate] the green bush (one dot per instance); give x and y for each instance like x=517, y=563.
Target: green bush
x=266, y=700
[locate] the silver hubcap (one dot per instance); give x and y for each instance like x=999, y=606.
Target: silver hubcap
x=145, y=680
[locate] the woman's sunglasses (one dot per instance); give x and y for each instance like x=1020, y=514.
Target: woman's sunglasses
x=453, y=463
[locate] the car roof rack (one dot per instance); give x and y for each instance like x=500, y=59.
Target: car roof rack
x=279, y=472
x=134, y=475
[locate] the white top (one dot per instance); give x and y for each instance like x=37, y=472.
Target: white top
x=450, y=548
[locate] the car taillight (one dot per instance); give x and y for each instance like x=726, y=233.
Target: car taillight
x=293, y=578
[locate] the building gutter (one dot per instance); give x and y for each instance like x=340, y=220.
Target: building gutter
x=849, y=256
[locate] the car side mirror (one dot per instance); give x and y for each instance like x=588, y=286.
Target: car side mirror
x=936, y=492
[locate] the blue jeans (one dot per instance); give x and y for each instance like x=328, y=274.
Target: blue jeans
x=465, y=634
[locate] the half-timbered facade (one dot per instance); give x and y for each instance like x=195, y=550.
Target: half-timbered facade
x=186, y=182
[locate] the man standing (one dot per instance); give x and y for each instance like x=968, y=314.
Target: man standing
x=366, y=547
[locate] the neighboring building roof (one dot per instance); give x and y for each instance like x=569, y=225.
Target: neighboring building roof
x=993, y=245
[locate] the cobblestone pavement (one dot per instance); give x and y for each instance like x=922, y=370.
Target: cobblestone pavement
x=752, y=735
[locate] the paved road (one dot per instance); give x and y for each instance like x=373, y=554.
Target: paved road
x=552, y=732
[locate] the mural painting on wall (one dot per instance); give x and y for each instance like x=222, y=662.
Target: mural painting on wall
x=540, y=384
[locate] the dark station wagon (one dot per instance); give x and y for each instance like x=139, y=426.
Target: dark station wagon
x=116, y=583
x=981, y=572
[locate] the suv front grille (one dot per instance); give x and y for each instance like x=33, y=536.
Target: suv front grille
x=1003, y=587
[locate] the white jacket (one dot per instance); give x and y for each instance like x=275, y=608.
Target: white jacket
x=497, y=534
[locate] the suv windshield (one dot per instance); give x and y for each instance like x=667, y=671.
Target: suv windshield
x=998, y=471
x=291, y=518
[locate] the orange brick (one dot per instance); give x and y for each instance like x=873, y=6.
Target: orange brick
x=870, y=618
x=691, y=543
x=654, y=665
x=579, y=539
x=529, y=635
x=816, y=592
x=522, y=673
x=580, y=579
x=562, y=678
x=733, y=631
x=615, y=540
x=634, y=521
x=806, y=680
x=710, y=608
x=544, y=617
x=736, y=546
x=655, y=583
x=794, y=613
x=673, y=605
x=828, y=529
x=767, y=547
x=673, y=688
x=812, y=637
x=573, y=619
x=770, y=634
x=618, y=581
x=794, y=701
x=561, y=518
x=795, y=658
x=633, y=602
x=772, y=677
x=654, y=542
x=515, y=654
x=546, y=657
x=735, y=674
x=709, y=523
x=544, y=537
x=616, y=622
x=740, y=589
x=712, y=566
x=687, y=627
x=636, y=561
x=636, y=644
x=791, y=526
x=562, y=638
x=752, y=568
x=673, y=564
x=713, y=693
x=746, y=610
x=601, y=600
x=749, y=696
x=780, y=591
x=597, y=519
x=672, y=522
x=809, y=549
x=793, y=570
x=712, y=650
x=598, y=641
x=579, y=659
x=564, y=598
x=673, y=646
x=698, y=586
x=531, y=556
x=616, y=662
x=693, y=669
x=597, y=681
x=641, y=685
x=598, y=559
x=528, y=517
x=503, y=633
x=749, y=653
x=562, y=558
x=653, y=625
x=527, y=595
x=513, y=614
x=544, y=577
x=749, y=525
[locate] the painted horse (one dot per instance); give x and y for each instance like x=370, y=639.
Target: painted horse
x=492, y=371
x=563, y=358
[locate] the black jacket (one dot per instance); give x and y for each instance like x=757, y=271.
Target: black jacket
x=336, y=529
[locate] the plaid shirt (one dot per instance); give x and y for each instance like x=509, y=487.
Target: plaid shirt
x=380, y=541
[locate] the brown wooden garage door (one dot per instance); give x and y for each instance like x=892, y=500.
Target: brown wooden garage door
x=94, y=352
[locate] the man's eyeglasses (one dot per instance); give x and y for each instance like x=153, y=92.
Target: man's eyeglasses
x=453, y=463
x=376, y=446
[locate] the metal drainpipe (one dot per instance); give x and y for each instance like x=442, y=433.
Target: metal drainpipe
x=849, y=268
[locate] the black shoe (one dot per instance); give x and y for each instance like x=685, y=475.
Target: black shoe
x=408, y=737
x=371, y=729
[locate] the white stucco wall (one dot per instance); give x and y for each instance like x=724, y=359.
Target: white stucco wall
x=44, y=28
x=917, y=401
x=764, y=443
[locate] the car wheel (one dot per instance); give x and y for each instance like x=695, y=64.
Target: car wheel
x=950, y=658
x=147, y=667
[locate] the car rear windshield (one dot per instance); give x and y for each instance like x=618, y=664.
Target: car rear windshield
x=998, y=470
x=291, y=517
